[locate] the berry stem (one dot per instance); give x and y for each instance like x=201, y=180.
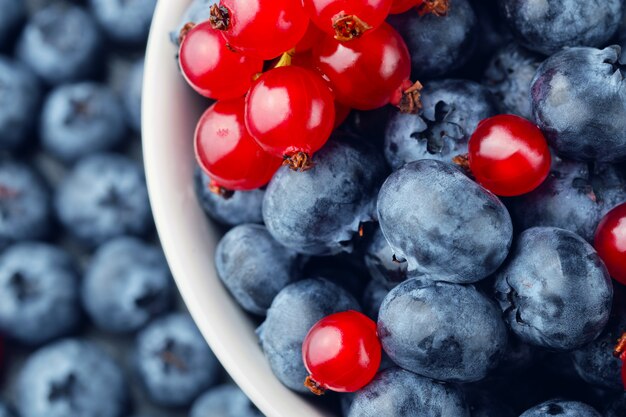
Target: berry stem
x=300, y=161
x=407, y=97
x=349, y=27
x=219, y=17
x=620, y=352
x=436, y=7
x=225, y=193
x=285, y=58
x=313, y=386
x=184, y=31
x=462, y=161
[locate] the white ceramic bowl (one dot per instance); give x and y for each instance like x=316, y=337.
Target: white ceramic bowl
x=169, y=117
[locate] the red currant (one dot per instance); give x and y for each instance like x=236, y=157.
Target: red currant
x=211, y=68
x=263, y=28
x=226, y=151
x=347, y=19
x=366, y=73
x=290, y=111
x=610, y=242
x=341, y=353
x=312, y=36
x=402, y=6
x=509, y=155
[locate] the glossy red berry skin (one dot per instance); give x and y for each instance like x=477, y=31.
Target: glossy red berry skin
x=342, y=352
x=226, y=151
x=610, y=242
x=367, y=72
x=265, y=28
x=402, y=6
x=325, y=13
x=290, y=110
x=508, y=155
x=211, y=68
x=312, y=36
x=341, y=114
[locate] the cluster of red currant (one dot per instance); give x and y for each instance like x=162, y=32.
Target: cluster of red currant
x=321, y=59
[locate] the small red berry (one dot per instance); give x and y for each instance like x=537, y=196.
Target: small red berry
x=312, y=36
x=610, y=242
x=226, y=151
x=509, y=155
x=211, y=68
x=263, y=28
x=341, y=352
x=290, y=111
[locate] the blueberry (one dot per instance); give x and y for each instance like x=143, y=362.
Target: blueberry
x=126, y=284
x=373, y=297
x=555, y=291
x=104, y=196
x=5, y=411
x=39, y=299
x=438, y=44
x=398, y=393
x=578, y=99
x=126, y=22
x=380, y=261
x=549, y=25
x=174, y=362
x=13, y=13
x=617, y=407
x=24, y=204
x=575, y=196
x=508, y=77
x=292, y=314
x=131, y=95
x=224, y=401
x=561, y=408
x=442, y=223
x=19, y=101
x=451, y=112
x=518, y=357
x=320, y=211
x=198, y=11
x=242, y=207
x=254, y=267
x=61, y=44
x=429, y=328
x=80, y=119
x=70, y=378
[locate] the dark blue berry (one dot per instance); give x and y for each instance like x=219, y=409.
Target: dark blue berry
x=320, y=211
x=131, y=95
x=380, y=261
x=442, y=223
x=242, y=207
x=70, y=378
x=39, y=296
x=561, y=408
x=126, y=284
x=5, y=411
x=104, y=196
x=61, y=43
x=254, y=267
x=396, y=392
x=555, y=291
x=126, y=22
x=13, y=13
x=578, y=98
x=373, y=297
x=430, y=329
x=617, y=407
x=547, y=26
x=438, y=44
x=80, y=119
x=224, y=401
x=174, y=362
x=19, y=101
x=292, y=314
x=451, y=111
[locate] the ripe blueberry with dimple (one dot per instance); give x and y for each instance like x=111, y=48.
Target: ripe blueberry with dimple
x=224, y=401
x=80, y=119
x=126, y=22
x=380, y=262
x=320, y=211
x=126, y=284
x=290, y=317
x=429, y=328
x=562, y=408
x=550, y=25
x=174, y=362
x=396, y=392
x=451, y=110
x=579, y=102
x=254, y=267
x=442, y=223
x=39, y=296
x=103, y=197
x=555, y=291
x=70, y=378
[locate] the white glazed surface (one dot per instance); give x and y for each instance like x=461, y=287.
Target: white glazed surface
x=170, y=113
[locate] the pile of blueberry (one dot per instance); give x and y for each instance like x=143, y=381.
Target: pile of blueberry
x=89, y=321
x=461, y=255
